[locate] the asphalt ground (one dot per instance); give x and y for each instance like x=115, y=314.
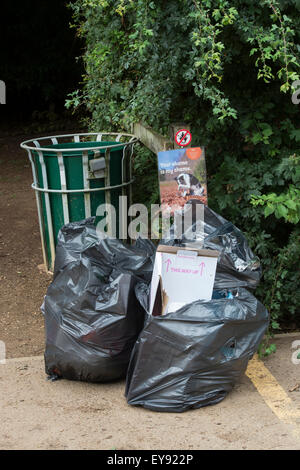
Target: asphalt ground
x=262, y=412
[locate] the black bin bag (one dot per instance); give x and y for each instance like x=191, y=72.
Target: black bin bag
x=92, y=316
x=237, y=265
x=193, y=357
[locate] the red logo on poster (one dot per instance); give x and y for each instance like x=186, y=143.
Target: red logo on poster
x=183, y=137
x=193, y=153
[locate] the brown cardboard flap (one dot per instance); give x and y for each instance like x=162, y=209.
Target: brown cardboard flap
x=158, y=303
x=161, y=300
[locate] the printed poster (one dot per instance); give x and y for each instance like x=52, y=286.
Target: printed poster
x=182, y=176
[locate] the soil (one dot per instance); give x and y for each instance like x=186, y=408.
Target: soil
x=22, y=284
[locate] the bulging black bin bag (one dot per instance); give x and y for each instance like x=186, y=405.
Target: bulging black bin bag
x=237, y=265
x=79, y=240
x=92, y=316
x=193, y=357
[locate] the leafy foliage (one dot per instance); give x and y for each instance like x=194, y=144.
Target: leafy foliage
x=287, y=203
x=144, y=167
x=228, y=69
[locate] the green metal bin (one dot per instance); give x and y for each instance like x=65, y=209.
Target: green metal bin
x=67, y=190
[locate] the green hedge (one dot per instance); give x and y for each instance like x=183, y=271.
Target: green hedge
x=228, y=69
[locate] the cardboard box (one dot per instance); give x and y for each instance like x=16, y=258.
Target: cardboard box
x=180, y=276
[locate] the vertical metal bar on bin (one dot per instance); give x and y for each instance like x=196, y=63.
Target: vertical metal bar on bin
x=107, y=191
x=130, y=168
x=39, y=207
x=63, y=184
x=48, y=206
x=86, y=183
x=123, y=206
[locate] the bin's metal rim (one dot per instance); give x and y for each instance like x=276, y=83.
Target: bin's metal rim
x=132, y=141
x=88, y=190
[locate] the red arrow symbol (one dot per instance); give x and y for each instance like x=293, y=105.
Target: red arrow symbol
x=201, y=266
x=168, y=262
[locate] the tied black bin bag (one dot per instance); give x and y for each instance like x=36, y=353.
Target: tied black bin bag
x=193, y=357
x=92, y=316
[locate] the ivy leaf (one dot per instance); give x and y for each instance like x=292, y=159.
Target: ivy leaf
x=268, y=210
x=285, y=87
x=281, y=211
x=291, y=204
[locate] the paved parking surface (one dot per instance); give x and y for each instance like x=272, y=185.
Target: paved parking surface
x=261, y=413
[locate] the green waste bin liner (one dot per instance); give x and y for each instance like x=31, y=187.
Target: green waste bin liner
x=69, y=188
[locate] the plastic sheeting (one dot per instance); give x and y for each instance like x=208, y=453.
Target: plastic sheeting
x=92, y=316
x=193, y=357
